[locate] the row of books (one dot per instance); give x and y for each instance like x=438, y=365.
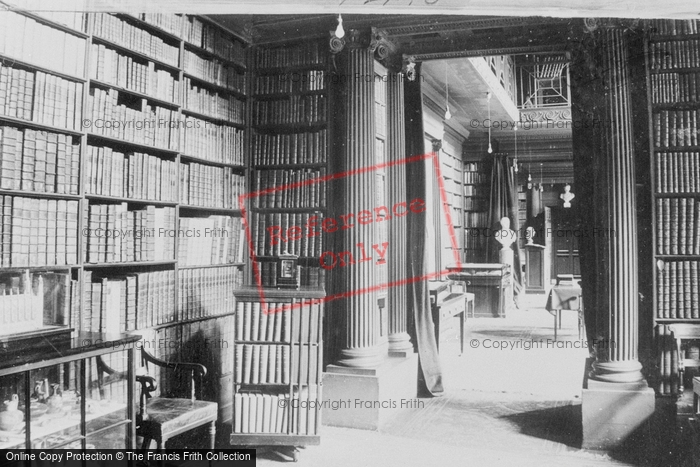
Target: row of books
x=204, y=241
x=213, y=71
x=261, y=364
x=476, y=204
x=676, y=128
x=41, y=161
x=109, y=66
x=309, y=276
x=40, y=97
x=474, y=190
x=275, y=412
x=129, y=175
x=305, y=54
x=290, y=82
x=475, y=219
x=25, y=39
x=677, y=172
x=290, y=188
x=38, y=232
x=212, y=142
x=16, y=92
x=678, y=290
x=166, y=21
x=298, y=109
x=212, y=103
x=475, y=178
x=125, y=34
x=57, y=101
x=271, y=325
x=127, y=302
x=150, y=125
x=213, y=39
x=474, y=242
x=116, y=234
x=21, y=302
x=207, y=292
x=667, y=359
x=669, y=55
x=678, y=226
x=207, y=186
x=290, y=149
x=270, y=233
x=673, y=27
x=669, y=88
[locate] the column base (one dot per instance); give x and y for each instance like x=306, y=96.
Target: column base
x=400, y=342
x=368, y=397
x=613, y=412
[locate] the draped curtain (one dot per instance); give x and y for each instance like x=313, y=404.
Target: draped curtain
x=422, y=328
x=504, y=203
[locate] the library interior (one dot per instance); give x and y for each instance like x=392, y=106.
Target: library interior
x=278, y=232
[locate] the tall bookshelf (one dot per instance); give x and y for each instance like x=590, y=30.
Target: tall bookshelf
x=289, y=148
x=476, y=199
x=673, y=73
x=277, y=359
x=453, y=179
x=134, y=124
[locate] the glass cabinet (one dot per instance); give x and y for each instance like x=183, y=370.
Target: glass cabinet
x=65, y=391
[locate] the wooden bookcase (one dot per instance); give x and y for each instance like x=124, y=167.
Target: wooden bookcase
x=148, y=117
x=453, y=177
x=278, y=359
x=476, y=199
x=673, y=74
x=290, y=141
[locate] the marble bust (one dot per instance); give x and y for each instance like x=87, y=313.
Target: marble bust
x=505, y=236
x=567, y=196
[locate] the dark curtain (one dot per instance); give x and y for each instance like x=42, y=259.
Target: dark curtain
x=504, y=203
x=423, y=329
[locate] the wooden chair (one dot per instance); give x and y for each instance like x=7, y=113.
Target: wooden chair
x=161, y=418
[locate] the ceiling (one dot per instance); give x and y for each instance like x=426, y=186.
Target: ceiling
x=570, y=8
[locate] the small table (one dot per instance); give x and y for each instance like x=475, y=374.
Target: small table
x=445, y=303
x=565, y=297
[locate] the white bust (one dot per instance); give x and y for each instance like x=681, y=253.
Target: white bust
x=530, y=234
x=567, y=196
x=505, y=236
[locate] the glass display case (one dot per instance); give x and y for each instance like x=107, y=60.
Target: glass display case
x=67, y=392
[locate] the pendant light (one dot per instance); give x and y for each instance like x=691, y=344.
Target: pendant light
x=339, y=31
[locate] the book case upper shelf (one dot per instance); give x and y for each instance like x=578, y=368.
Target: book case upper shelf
x=138, y=146
x=38, y=126
x=219, y=87
x=7, y=60
x=212, y=55
x=138, y=94
x=124, y=49
x=282, y=128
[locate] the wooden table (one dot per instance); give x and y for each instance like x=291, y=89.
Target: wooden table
x=488, y=282
x=445, y=303
x=565, y=297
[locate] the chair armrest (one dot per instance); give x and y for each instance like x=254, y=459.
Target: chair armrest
x=196, y=368
x=148, y=384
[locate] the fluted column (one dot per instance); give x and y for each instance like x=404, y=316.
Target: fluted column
x=612, y=224
x=399, y=340
x=359, y=311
